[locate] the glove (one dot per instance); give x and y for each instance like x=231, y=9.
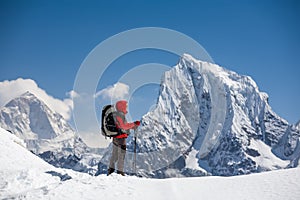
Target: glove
x=137, y=123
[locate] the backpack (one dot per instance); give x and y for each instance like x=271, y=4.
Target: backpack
x=108, y=122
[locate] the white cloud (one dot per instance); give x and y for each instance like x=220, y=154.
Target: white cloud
x=72, y=94
x=12, y=89
x=94, y=140
x=69, y=101
x=117, y=91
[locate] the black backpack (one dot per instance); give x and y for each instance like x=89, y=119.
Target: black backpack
x=108, y=122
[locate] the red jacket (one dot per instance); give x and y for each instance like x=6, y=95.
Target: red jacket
x=121, y=106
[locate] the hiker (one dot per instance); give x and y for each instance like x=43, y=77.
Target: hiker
x=119, y=141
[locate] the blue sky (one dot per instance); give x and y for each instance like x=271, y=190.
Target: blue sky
x=48, y=40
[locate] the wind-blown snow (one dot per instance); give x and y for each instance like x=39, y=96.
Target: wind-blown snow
x=25, y=176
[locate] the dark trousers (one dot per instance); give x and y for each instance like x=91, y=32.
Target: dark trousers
x=118, y=154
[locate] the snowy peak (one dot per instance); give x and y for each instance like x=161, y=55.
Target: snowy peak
x=46, y=133
x=216, y=118
x=229, y=78
x=28, y=95
x=27, y=114
x=219, y=114
x=32, y=120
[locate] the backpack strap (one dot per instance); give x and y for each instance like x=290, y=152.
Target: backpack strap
x=122, y=116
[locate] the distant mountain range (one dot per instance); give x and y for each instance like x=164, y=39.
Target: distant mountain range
x=208, y=121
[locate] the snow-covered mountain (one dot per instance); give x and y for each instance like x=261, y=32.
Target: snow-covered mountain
x=45, y=132
x=210, y=120
x=31, y=120
x=26, y=176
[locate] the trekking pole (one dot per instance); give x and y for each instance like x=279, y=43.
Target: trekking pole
x=134, y=149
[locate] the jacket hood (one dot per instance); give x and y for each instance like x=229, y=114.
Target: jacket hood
x=121, y=106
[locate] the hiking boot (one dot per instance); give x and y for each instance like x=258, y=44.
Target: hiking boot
x=110, y=171
x=121, y=173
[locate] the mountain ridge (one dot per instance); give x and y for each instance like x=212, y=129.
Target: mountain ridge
x=33, y=121
x=219, y=114
x=47, y=134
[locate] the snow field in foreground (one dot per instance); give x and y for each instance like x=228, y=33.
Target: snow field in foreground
x=23, y=176
x=281, y=184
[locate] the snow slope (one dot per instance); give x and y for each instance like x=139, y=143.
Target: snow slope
x=25, y=176
x=274, y=185
x=20, y=170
